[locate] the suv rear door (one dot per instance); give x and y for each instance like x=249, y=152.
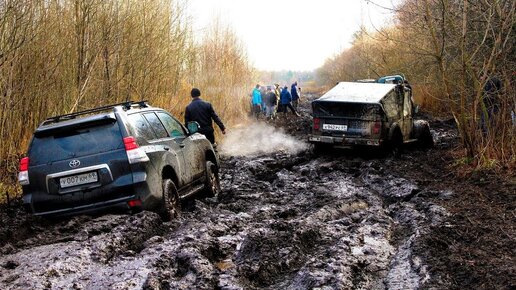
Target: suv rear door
x=160, y=148
x=192, y=153
x=72, y=162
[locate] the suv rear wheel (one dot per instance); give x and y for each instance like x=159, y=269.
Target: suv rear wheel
x=212, y=183
x=396, y=143
x=171, y=206
x=319, y=149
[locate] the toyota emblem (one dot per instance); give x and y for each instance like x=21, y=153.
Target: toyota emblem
x=74, y=163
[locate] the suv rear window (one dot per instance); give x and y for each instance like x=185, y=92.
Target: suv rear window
x=346, y=110
x=75, y=142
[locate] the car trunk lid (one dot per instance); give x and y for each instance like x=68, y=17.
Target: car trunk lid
x=346, y=119
x=71, y=164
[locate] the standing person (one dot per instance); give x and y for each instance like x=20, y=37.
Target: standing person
x=277, y=92
x=286, y=100
x=491, y=101
x=295, y=95
x=257, y=101
x=270, y=104
x=202, y=112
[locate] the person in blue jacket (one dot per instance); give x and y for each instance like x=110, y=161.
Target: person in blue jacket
x=257, y=101
x=286, y=101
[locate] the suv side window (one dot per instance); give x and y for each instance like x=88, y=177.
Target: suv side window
x=143, y=130
x=173, y=127
x=156, y=125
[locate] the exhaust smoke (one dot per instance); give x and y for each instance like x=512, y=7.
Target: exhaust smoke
x=259, y=138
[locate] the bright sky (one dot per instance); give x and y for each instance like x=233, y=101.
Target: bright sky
x=292, y=34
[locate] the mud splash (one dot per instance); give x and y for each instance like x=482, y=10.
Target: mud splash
x=259, y=138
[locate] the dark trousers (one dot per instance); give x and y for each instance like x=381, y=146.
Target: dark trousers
x=295, y=103
x=289, y=105
x=210, y=136
x=257, y=110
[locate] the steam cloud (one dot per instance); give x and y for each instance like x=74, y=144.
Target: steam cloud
x=259, y=138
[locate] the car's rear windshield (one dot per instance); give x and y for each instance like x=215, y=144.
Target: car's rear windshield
x=346, y=110
x=75, y=142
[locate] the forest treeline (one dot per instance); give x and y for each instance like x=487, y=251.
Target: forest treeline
x=59, y=56
x=448, y=50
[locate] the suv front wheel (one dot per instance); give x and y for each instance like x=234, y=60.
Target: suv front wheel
x=171, y=206
x=212, y=183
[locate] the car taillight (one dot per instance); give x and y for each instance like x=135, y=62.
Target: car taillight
x=134, y=203
x=377, y=126
x=23, y=176
x=317, y=123
x=130, y=143
x=135, y=154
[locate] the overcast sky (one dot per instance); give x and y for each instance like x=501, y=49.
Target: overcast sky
x=291, y=34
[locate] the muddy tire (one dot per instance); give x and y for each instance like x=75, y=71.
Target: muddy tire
x=320, y=149
x=395, y=145
x=171, y=205
x=425, y=139
x=212, y=182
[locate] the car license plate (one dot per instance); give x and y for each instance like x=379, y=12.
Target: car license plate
x=79, y=179
x=334, y=127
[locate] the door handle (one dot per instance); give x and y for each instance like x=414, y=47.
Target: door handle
x=182, y=145
x=166, y=148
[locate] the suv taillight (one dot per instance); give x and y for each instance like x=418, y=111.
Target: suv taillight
x=23, y=176
x=377, y=127
x=135, y=154
x=317, y=123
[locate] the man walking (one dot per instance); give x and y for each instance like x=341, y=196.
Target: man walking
x=202, y=112
x=286, y=100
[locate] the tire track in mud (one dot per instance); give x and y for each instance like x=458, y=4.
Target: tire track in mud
x=282, y=222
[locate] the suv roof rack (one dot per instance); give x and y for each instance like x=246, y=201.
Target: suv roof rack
x=126, y=105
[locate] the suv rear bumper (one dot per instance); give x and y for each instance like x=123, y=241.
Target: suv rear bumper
x=344, y=142
x=114, y=204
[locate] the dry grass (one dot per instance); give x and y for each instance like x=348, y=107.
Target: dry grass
x=63, y=56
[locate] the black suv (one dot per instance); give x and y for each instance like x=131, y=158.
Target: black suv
x=127, y=156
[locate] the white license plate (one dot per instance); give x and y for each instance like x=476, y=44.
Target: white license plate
x=79, y=179
x=335, y=127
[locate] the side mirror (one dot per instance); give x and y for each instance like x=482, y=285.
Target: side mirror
x=193, y=127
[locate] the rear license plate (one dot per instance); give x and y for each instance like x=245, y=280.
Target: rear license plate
x=334, y=127
x=79, y=179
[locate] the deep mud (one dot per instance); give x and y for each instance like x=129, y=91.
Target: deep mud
x=283, y=221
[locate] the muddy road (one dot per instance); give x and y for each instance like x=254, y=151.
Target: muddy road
x=286, y=219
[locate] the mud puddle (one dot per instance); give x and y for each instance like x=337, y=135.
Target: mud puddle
x=283, y=221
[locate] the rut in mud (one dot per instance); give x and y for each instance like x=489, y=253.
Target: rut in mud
x=287, y=220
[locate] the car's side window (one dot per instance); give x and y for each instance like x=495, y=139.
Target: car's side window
x=156, y=125
x=141, y=126
x=173, y=127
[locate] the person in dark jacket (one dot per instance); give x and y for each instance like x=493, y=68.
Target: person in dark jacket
x=270, y=104
x=295, y=95
x=202, y=112
x=286, y=99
